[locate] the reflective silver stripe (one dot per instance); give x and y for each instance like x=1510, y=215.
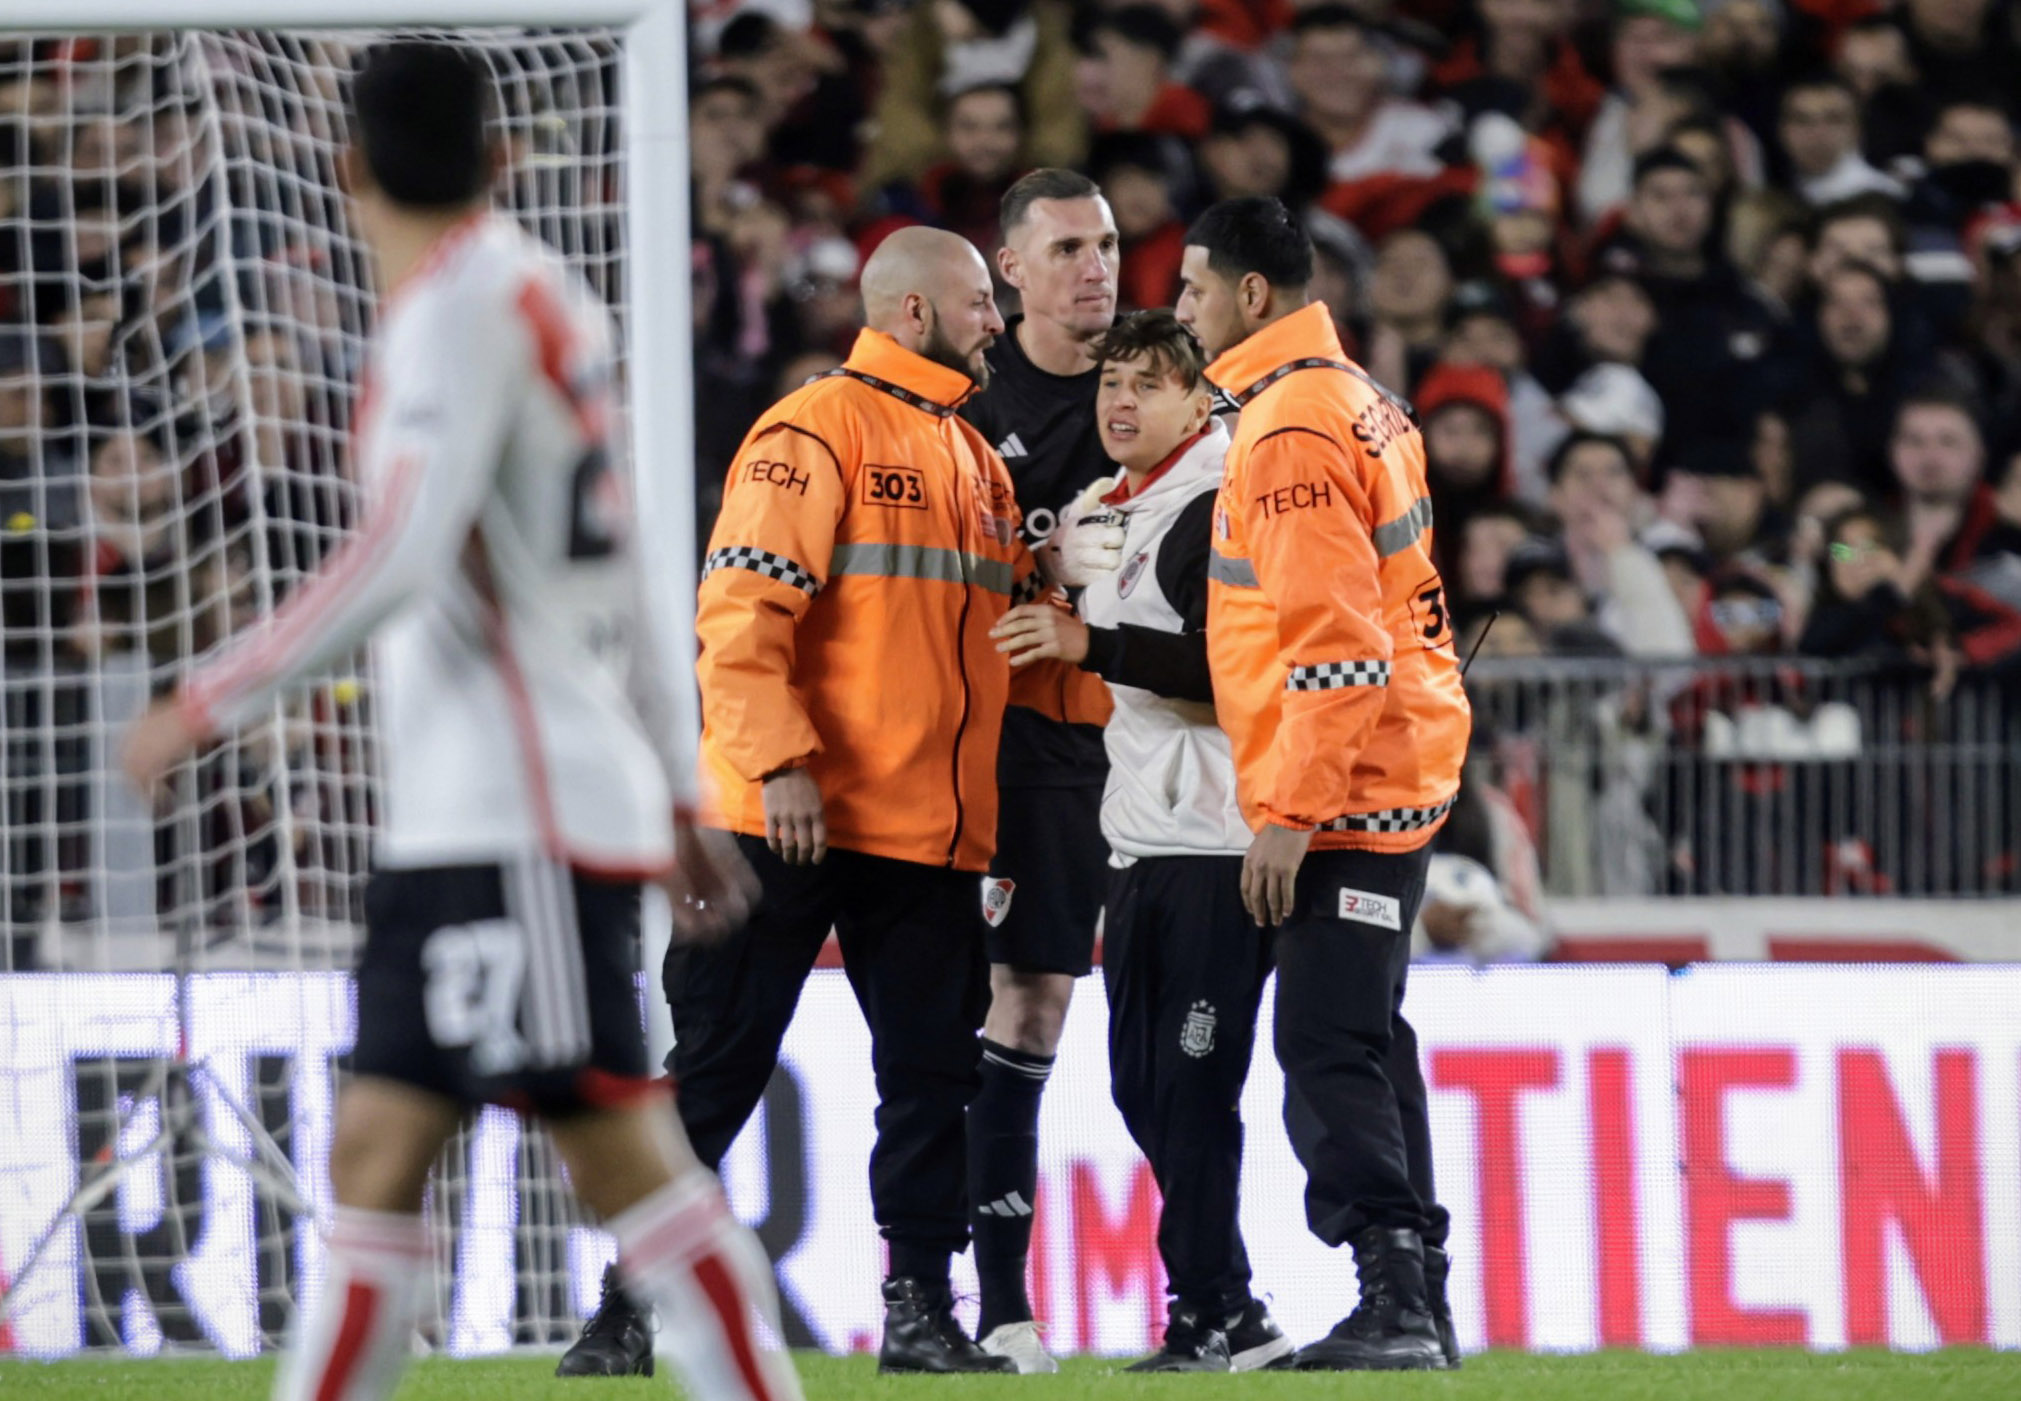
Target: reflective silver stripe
x=1391, y=819
x=890, y=561
x=1400, y=534
x=1238, y=573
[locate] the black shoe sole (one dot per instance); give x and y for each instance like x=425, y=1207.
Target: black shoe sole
x=643, y=1369
x=1156, y=1363
x=895, y=1369
x=1302, y=1362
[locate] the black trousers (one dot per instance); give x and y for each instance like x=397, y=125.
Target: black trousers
x=1185, y=969
x=1354, y=1093
x=911, y=939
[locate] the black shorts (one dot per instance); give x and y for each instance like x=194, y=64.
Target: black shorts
x=513, y=985
x=1049, y=845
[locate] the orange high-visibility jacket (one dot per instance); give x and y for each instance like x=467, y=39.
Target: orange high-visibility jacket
x=1334, y=668
x=868, y=542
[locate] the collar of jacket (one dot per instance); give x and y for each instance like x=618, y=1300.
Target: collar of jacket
x=1305, y=334
x=1198, y=457
x=879, y=356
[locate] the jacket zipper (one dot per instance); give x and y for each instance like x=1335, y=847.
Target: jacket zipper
x=961, y=663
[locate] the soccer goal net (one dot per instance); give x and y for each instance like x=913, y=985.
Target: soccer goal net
x=184, y=308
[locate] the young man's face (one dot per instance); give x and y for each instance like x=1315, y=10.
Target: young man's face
x=1209, y=304
x=1819, y=127
x=1595, y=476
x=1672, y=209
x=1144, y=411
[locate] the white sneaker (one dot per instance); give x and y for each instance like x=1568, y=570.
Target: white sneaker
x=1022, y=1344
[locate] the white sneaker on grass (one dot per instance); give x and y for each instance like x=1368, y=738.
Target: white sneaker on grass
x=1023, y=1344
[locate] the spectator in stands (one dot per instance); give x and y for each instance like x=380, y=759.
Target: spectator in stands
x=1742, y=47
x=1124, y=78
x=773, y=59
x=984, y=135
x=1963, y=46
x=1546, y=593
x=1842, y=407
x=1716, y=489
x=1873, y=58
x=1819, y=137
x=1938, y=458
x=953, y=45
x=1602, y=507
x=1465, y=415
x=1865, y=229
x=1609, y=321
x=1866, y=603
x=1481, y=330
x=1712, y=330
x=1254, y=149
x=1486, y=541
x=1339, y=72
x=1522, y=60
x=1409, y=288
x=1468, y=916
x=1135, y=177
x=1767, y=241
x=1650, y=37
x=1616, y=402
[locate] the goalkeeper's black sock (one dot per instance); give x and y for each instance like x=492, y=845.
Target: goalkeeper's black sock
x=1003, y=1178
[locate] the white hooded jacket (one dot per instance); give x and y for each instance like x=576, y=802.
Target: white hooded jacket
x=1171, y=787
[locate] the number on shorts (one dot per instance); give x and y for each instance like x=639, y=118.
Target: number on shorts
x=474, y=976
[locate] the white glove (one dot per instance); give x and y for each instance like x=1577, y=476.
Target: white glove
x=1088, y=541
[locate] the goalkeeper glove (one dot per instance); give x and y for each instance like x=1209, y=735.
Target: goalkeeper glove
x=1088, y=541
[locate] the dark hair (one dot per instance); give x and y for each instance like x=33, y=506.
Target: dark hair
x=723, y=82
x=1331, y=16
x=1819, y=80
x=1145, y=26
x=1871, y=205
x=1014, y=96
x=1940, y=392
x=751, y=33
x=1661, y=159
x=418, y=112
x=1554, y=467
x=1047, y=182
x=1158, y=336
x=1254, y=234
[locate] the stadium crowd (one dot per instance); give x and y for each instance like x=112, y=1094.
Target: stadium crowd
x=1713, y=316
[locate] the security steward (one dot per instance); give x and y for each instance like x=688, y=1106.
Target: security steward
x=852, y=701
x=1336, y=679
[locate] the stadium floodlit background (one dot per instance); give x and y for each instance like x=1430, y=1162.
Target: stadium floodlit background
x=1728, y=725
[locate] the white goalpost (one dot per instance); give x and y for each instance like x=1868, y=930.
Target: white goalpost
x=183, y=314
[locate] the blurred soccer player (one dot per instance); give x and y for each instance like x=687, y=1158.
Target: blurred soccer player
x=532, y=784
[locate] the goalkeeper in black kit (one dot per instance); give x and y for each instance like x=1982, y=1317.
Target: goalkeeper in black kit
x=1043, y=893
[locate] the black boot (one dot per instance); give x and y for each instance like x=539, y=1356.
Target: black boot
x=920, y=1334
x=1192, y=1344
x=616, y=1342
x=1438, y=1265
x=1391, y=1330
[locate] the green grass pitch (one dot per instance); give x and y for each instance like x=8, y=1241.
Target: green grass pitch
x=1704, y=1376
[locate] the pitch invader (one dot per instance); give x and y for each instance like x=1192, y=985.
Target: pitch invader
x=1183, y=963
x=1044, y=891
x=532, y=779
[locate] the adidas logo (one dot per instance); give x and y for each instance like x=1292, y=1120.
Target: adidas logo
x=1010, y=447
x=1012, y=1205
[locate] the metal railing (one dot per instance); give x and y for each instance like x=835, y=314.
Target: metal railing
x=1764, y=776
